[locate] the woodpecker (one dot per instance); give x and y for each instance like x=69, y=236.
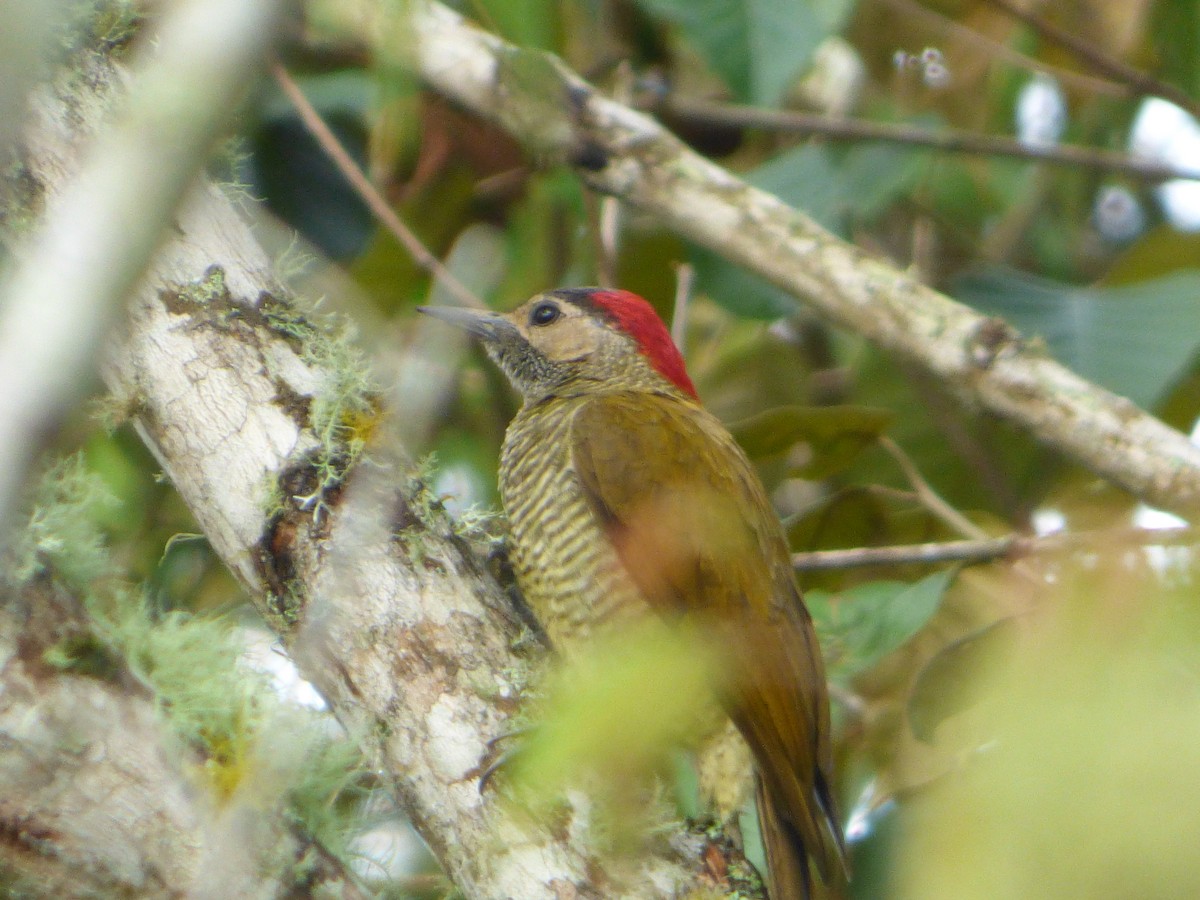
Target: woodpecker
x=626, y=497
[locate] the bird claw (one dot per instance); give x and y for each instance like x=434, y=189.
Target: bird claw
x=502, y=759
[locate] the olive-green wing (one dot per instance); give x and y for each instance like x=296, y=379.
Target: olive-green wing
x=692, y=525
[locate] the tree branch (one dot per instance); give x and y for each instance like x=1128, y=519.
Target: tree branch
x=953, y=141
x=985, y=550
x=968, y=551
x=1109, y=66
x=621, y=152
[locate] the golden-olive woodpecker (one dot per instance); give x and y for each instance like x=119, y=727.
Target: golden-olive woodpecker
x=624, y=494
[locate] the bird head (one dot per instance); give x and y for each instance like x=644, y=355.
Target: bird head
x=577, y=340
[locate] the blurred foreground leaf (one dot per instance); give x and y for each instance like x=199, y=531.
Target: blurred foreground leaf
x=1083, y=780
x=620, y=708
x=951, y=680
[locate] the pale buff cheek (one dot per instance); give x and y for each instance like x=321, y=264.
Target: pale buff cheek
x=567, y=344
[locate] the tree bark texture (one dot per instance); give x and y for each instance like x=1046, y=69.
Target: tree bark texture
x=99, y=799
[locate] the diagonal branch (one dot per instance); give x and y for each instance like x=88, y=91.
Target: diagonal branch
x=621, y=152
x=362, y=186
x=1107, y=65
x=985, y=550
x=948, y=140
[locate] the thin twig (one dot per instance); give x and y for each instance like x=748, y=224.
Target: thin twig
x=685, y=276
x=610, y=207
x=990, y=549
x=906, y=554
x=930, y=498
x=951, y=141
x=1110, y=66
x=362, y=186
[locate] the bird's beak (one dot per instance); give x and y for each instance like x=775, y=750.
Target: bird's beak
x=483, y=323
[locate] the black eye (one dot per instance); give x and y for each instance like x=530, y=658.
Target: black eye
x=544, y=314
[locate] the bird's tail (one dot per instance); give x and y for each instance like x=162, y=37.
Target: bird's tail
x=787, y=852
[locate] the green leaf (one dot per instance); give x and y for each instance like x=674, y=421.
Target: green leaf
x=619, y=707
x=862, y=625
x=757, y=46
x=1160, y=251
x=834, y=435
x=1176, y=34
x=836, y=187
x=739, y=291
x=850, y=517
x=952, y=456
x=1135, y=340
x=288, y=168
x=528, y=23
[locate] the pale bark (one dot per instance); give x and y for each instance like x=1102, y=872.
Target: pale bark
x=92, y=800
x=88, y=249
x=391, y=617
x=624, y=153
x=99, y=799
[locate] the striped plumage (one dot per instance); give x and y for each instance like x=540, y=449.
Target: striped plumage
x=569, y=575
x=625, y=496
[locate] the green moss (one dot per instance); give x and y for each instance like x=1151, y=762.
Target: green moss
x=211, y=287
x=83, y=654
x=326, y=797
x=284, y=610
x=294, y=261
x=247, y=738
x=23, y=200
x=100, y=24
x=61, y=534
x=422, y=515
x=113, y=410
x=272, y=501
x=427, y=513
x=424, y=505
x=226, y=167
x=344, y=412
x=479, y=525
